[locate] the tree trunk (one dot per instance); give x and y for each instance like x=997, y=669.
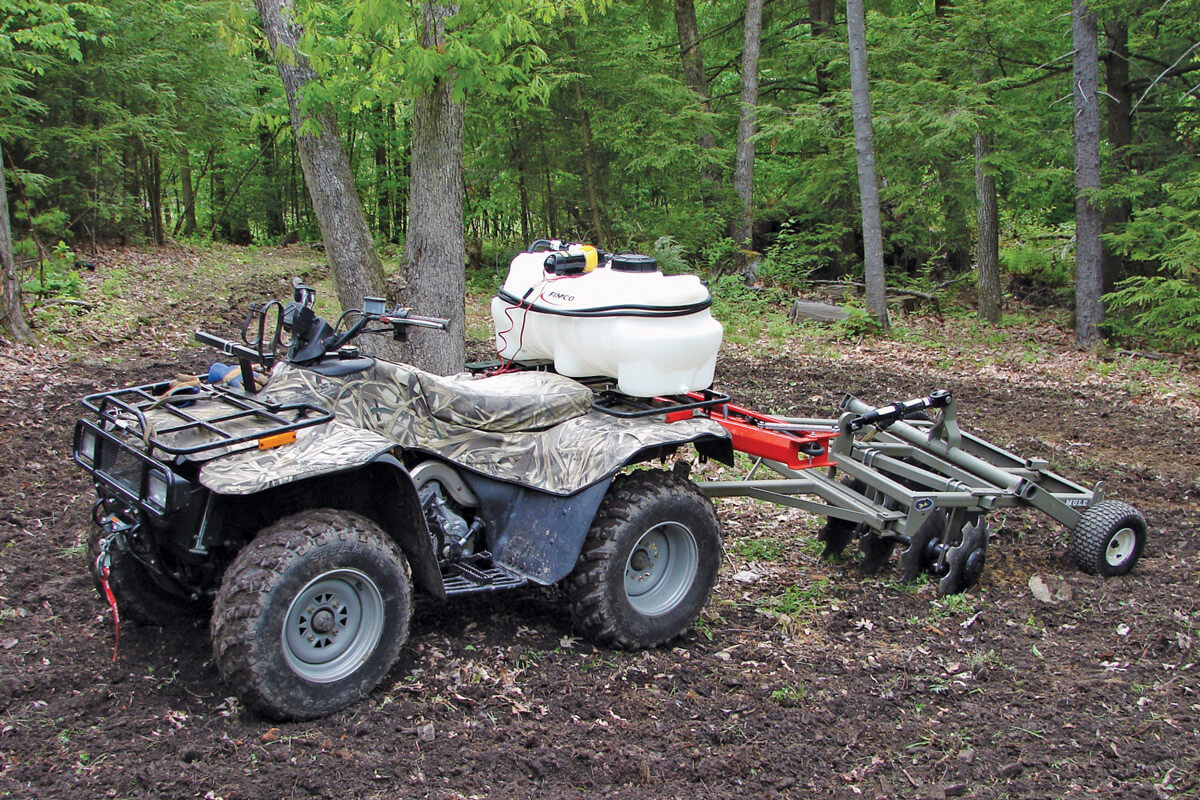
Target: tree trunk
x=357, y=271
x=550, y=207
x=591, y=172
x=743, y=170
x=276, y=226
x=1089, y=310
x=864, y=149
x=383, y=206
x=187, y=193
x=434, y=249
x=12, y=317
x=154, y=193
x=1120, y=137
x=820, y=20
x=692, y=59
x=987, y=249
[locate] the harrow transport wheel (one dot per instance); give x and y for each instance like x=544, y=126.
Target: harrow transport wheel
x=312, y=614
x=140, y=598
x=1109, y=539
x=649, y=562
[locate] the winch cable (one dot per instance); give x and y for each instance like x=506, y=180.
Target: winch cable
x=103, y=567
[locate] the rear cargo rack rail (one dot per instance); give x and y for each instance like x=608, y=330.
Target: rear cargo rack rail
x=172, y=399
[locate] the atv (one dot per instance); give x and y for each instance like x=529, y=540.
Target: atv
x=304, y=510
x=300, y=496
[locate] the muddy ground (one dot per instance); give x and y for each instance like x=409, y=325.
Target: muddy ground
x=815, y=680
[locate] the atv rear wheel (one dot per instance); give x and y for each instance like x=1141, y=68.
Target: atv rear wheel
x=649, y=562
x=312, y=614
x=140, y=597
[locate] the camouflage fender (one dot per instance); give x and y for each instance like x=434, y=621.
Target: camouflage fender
x=322, y=450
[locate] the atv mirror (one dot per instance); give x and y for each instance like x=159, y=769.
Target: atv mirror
x=374, y=306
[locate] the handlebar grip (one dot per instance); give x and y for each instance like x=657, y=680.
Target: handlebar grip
x=402, y=316
x=886, y=415
x=429, y=322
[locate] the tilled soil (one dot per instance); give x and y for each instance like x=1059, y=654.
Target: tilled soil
x=804, y=678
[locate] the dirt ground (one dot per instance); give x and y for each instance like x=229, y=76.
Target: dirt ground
x=811, y=680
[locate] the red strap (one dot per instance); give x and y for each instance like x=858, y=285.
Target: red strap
x=112, y=603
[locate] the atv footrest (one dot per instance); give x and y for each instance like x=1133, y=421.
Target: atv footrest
x=478, y=573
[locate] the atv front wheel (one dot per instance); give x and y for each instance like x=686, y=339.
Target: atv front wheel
x=140, y=598
x=649, y=562
x=312, y=614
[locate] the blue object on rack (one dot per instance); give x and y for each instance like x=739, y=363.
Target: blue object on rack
x=218, y=371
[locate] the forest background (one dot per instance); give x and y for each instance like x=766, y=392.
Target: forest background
x=130, y=121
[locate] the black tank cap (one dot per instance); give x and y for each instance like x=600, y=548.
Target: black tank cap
x=634, y=262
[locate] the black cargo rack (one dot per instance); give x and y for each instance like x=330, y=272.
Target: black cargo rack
x=176, y=399
x=618, y=405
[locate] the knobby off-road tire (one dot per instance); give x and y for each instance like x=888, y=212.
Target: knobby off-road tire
x=140, y=598
x=649, y=562
x=1109, y=539
x=312, y=614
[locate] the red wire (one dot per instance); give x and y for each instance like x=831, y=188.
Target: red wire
x=507, y=365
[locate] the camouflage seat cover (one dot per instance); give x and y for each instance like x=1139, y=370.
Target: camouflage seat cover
x=393, y=405
x=516, y=401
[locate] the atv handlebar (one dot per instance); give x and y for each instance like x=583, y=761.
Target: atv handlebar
x=310, y=337
x=903, y=409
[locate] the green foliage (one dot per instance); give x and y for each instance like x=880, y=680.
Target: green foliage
x=1042, y=256
x=797, y=599
x=1160, y=309
x=56, y=276
x=104, y=106
x=671, y=256
x=857, y=325
x=760, y=549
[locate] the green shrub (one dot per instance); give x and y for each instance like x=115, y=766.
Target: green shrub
x=1159, y=309
x=56, y=276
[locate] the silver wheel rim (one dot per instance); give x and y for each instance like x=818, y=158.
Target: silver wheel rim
x=1120, y=547
x=332, y=626
x=661, y=568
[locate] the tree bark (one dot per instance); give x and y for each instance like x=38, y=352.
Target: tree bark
x=987, y=249
x=1089, y=310
x=743, y=170
x=353, y=261
x=591, y=172
x=154, y=195
x=820, y=20
x=12, y=316
x=692, y=59
x=864, y=149
x=1120, y=137
x=434, y=249
x=187, y=193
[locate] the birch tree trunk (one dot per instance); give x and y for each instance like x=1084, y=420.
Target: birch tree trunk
x=743, y=170
x=434, y=248
x=1089, y=310
x=864, y=149
x=357, y=270
x=12, y=317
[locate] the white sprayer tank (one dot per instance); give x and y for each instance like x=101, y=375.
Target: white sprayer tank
x=623, y=319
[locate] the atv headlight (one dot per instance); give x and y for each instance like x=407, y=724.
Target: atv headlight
x=87, y=446
x=156, y=489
